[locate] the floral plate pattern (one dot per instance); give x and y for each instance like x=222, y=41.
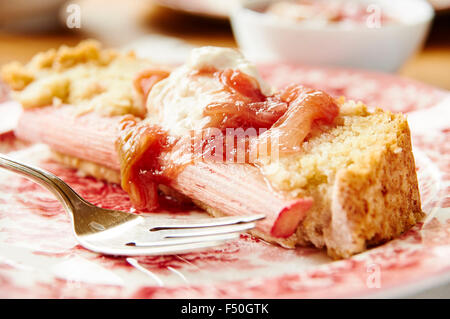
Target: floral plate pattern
x=39, y=257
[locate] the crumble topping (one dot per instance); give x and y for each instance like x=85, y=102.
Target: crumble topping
x=86, y=76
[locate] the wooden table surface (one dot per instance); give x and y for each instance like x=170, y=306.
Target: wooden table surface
x=117, y=25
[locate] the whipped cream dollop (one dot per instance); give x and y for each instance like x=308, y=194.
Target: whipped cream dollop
x=177, y=102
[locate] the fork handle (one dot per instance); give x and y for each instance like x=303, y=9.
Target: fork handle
x=63, y=192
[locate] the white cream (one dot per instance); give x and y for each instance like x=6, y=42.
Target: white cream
x=177, y=103
x=226, y=58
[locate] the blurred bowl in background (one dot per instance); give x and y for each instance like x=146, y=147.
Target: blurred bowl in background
x=265, y=37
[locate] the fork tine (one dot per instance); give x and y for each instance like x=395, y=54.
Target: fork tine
x=187, y=240
x=204, y=231
x=107, y=231
x=155, y=250
x=211, y=222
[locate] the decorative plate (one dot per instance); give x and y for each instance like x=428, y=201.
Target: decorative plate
x=39, y=257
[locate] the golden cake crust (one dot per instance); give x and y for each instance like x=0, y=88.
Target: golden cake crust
x=88, y=168
x=372, y=206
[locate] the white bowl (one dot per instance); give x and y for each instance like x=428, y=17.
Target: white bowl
x=266, y=38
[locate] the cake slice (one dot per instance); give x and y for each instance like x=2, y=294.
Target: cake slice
x=362, y=177
x=350, y=183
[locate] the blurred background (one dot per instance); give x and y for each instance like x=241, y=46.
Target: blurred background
x=170, y=27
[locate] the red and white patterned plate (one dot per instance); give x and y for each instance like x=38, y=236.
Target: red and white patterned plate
x=39, y=257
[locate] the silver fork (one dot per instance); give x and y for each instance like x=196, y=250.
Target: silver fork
x=115, y=232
